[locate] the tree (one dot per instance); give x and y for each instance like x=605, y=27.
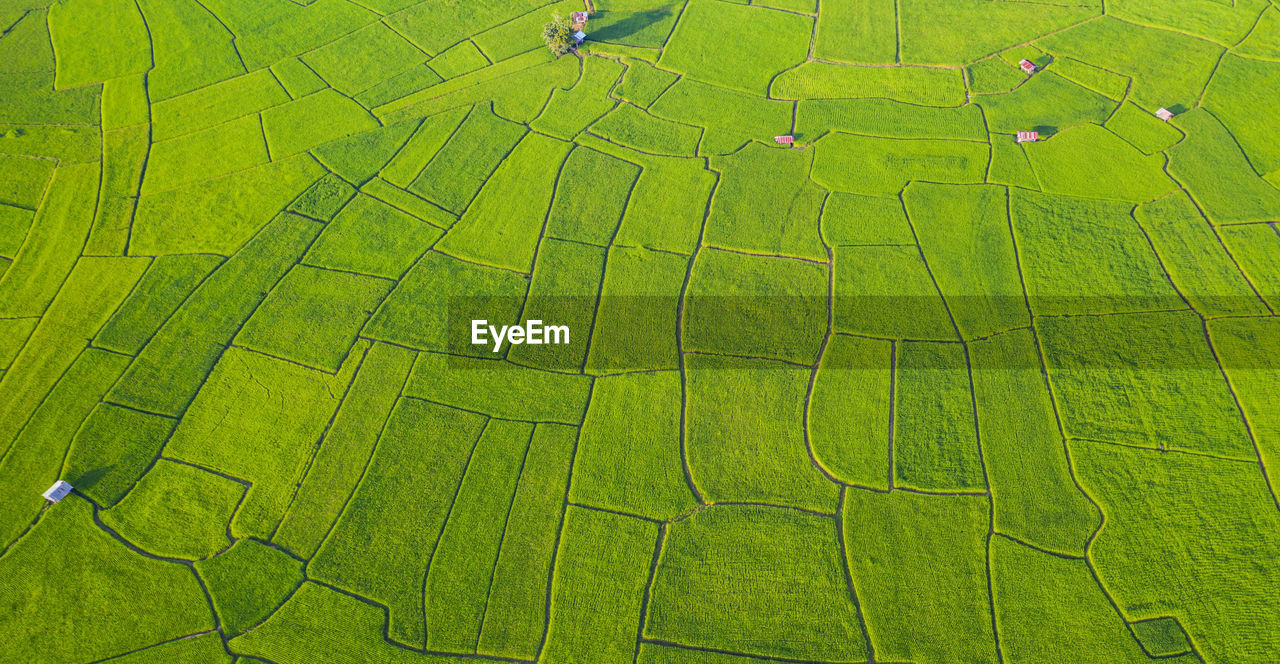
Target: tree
x=557, y=35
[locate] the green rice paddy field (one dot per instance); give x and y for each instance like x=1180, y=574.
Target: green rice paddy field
x=909, y=391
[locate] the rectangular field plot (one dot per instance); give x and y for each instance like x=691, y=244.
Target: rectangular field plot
x=974, y=263
x=1210, y=164
x=591, y=195
x=1247, y=349
x=597, y=595
x=171, y=493
x=758, y=580
x=667, y=206
x=1032, y=490
x=884, y=166
x=745, y=434
x=514, y=617
x=729, y=118
x=631, y=126
x=861, y=31
x=381, y=546
x=570, y=111
x=1087, y=160
x=1086, y=256
x=563, y=292
x=925, y=86
x=887, y=118
x=242, y=424
x=1143, y=379
x=735, y=46
x=312, y=316
x=1255, y=247
x=757, y=306
x=637, y=317
x=458, y=580
x=630, y=460
x=357, y=61
x=890, y=540
x=887, y=292
x=766, y=204
x=849, y=409
x=112, y=449
x=935, y=437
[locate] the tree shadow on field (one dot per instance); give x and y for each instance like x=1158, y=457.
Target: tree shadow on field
x=92, y=477
x=627, y=23
x=1046, y=131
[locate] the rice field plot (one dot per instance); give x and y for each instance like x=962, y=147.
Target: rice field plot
x=896, y=331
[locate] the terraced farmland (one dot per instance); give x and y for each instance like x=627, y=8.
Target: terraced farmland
x=908, y=390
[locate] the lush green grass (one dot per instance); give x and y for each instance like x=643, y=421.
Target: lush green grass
x=892, y=543
x=887, y=292
x=457, y=172
x=1168, y=68
x=735, y=46
x=758, y=306
x=858, y=31
x=235, y=405
x=1039, y=598
x=854, y=219
x=866, y=165
x=1085, y=256
x=511, y=206
x=597, y=592
x=1197, y=261
x=935, y=437
x=974, y=264
x=1104, y=373
x=371, y=237
x=591, y=211
x=905, y=391
x=630, y=461
x=643, y=83
x=765, y=204
x=729, y=118
x=848, y=412
x=337, y=466
x=1033, y=490
x=513, y=618
x=1158, y=506
x=745, y=433
x=126, y=601
x=173, y=492
x=925, y=86
x=170, y=369
x=457, y=585
x=382, y=544
x=570, y=111
x=1143, y=129
x=1092, y=162
x=499, y=389
x=756, y=580
x=960, y=31
x=1210, y=164
x=1253, y=246
x=312, y=316
x=247, y=582
x=1047, y=103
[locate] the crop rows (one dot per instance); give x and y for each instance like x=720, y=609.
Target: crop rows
x=907, y=391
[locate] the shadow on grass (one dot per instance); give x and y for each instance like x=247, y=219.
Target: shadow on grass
x=617, y=26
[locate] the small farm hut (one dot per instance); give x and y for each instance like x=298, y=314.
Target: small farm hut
x=58, y=491
x=1164, y=114
x=579, y=20
x=785, y=139
x=1028, y=136
x=1027, y=66
x=579, y=36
